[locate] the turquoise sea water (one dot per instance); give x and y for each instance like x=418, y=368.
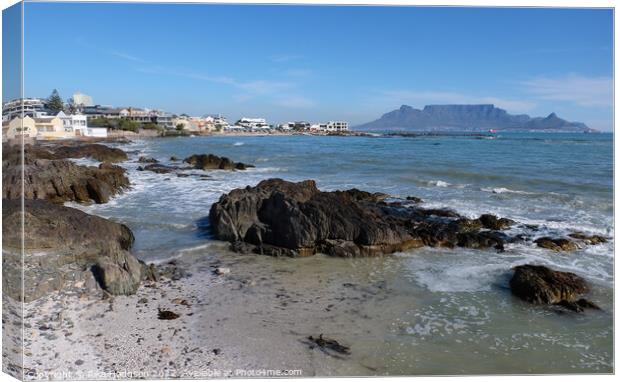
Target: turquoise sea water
x=450, y=311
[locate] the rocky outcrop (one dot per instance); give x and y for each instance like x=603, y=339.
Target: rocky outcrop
x=213, y=162
x=296, y=219
x=101, y=153
x=58, y=180
x=556, y=244
x=538, y=284
x=66, y=248
x=588, y=239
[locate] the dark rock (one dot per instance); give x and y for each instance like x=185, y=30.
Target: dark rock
x=213, y=162
x=144, y=159
x=174, y=159
x=99, y=152
x=493, y=222
x=588, y=239
x=579, y=305
x=59, y=180
x=281, y=218
x=538, y=284
x=167, y=315
x=65, y=246
x=330, y=344
x=414, y=199
x=159, y=168
x=556, y=244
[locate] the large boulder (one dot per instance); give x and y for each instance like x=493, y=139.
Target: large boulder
x=101, y=153
x=65, y=248
x=295, y=219
x=214, y=162
x=538, y=284
x=58, y=180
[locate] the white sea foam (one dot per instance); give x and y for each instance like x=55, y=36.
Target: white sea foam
x=502, y=190
x=238, y=143
x=439, y=183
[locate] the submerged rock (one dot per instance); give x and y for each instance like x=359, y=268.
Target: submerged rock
x=213, y=162
x=281, y=218
x=538, y=284
x=64, y=246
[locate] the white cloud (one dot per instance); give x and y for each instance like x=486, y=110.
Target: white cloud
x=576, y=89
x=126, y=56
x=422, y=98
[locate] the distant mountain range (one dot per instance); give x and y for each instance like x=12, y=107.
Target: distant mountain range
x=467, y=118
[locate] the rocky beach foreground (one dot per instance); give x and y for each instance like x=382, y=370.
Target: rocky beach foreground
x=93, y=310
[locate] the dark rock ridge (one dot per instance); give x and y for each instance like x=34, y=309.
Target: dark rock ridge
x=66, y=248
x=277, y=217
x=95, y=151
x=213, y=162
x=466, y=117
x=58, y=180
x=538, y=284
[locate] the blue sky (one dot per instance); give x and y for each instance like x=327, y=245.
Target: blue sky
x=318, y=63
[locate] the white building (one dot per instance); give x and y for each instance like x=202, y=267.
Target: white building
x=74, y=123
x=82, y=100
x=254, y=123
x=97, y=132
x=32, y=107
x=337, y=126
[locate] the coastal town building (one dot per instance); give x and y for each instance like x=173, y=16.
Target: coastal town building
x=337, y=126
x=253, y=123
x=32, y=107
x=82, y=100
x=18, y=128
x=295, y=126
x=138, y=115
x=51, y=127
x=76, y=123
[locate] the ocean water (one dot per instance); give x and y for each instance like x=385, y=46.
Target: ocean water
x=432, y=311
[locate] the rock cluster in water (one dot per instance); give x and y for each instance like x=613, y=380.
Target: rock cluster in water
x=281, y=218
x=214, y=162
x=296, y=219
x=46, y=176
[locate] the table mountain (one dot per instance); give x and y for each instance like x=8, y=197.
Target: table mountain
x=466, y=118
